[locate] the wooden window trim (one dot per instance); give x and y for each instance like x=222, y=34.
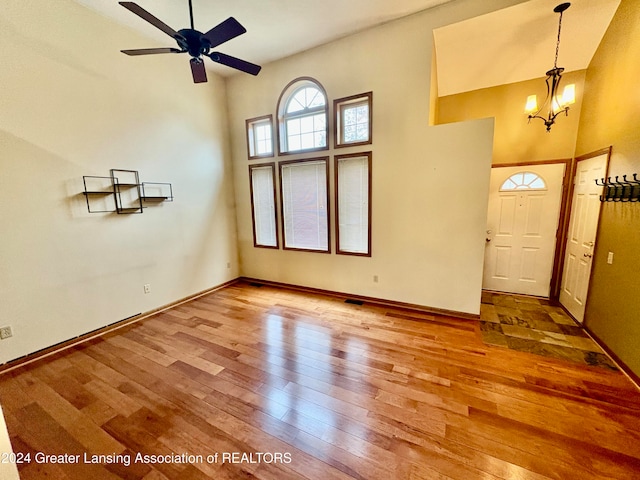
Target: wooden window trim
x=248, y=124
x=336, y=158
x=284, y=96
x=282, y=220
x=338, y=105
x=275, y=213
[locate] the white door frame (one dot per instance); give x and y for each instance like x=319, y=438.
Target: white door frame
x=567, y=181
x=567, y=219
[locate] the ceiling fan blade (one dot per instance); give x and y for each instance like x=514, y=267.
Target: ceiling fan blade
x=234, y=62
x=142, y=13
x=150, y=51
x=224, y=32
x=197, y=70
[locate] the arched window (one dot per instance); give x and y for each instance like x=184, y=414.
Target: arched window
x=302, y=117
x=523, y=181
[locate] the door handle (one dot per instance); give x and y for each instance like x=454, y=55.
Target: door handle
x=588, y=255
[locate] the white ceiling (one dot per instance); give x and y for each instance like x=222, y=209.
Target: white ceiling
x=275, y=28
x=509, y=45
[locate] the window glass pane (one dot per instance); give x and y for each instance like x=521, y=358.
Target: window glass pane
x=303, y=117
x=263, y=201
x=296, y=103
x=304, y=205
x=307, y=132
x=319, y=122
x=306, y=124
x=293, y=126
x=261, y=132
x=355, y=123
x=264, y=147
x=537, y=183
x=362, y=114
x=315, y=98
x=263, y=144
x=320, y=139
x=353, y=205
x=362, y=132
x=524, y=181
x=306, y=140
x=350, y=133
x=260, y=137
x=294, y=142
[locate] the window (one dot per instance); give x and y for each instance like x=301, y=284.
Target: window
x=263, y=205
x=259, y=137
x=302, y=117
x=353, y=120
x=523, y=181
x=353, y=199
x=304, y=200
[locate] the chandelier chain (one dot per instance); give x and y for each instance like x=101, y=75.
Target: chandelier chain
x=555, y=62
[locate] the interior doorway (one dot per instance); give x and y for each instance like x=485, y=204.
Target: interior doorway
x=581, y=235
x=525, y=202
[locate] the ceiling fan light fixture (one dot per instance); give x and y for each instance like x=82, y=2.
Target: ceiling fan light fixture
x=555, y=102
x=195, y=43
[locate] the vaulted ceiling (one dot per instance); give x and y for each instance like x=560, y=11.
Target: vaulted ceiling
x=508, y=45
x=519, y=43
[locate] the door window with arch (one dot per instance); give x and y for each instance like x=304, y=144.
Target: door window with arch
x=523, y=181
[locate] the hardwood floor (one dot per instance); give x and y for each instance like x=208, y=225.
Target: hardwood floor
x=274, y=384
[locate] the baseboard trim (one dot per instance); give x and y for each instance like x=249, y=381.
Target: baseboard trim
x=59, y=347
x=370, y=300
x=67, y=344
x=624, y=368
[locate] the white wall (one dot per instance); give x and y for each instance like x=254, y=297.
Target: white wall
x=430, y=184
x=71, y=105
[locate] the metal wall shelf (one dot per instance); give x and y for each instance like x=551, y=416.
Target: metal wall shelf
x=123, y=193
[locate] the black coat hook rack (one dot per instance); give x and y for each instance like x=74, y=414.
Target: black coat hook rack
x=620, y=189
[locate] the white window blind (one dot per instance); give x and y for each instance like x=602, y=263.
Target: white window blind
x=304, y=205
x=353, y=204
x=263, y=206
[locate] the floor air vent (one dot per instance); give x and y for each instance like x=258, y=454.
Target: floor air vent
x=255, y=284
x=353, y=302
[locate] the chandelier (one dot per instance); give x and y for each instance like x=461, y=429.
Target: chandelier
x=555, y=103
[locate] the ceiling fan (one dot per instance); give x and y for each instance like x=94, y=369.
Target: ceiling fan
x=196, y=43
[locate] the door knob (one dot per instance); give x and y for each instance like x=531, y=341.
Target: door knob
x=588, y=255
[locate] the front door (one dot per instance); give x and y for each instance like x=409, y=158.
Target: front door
x=522, y=220
x=583, y=223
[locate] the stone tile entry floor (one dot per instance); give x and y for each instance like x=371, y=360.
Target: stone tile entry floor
x=534, y=325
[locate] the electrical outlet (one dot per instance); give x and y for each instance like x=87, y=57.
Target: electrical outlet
x=147, y=288
x=375, y=279
x=228, y=264
x=5, y=332
x=610, y=258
